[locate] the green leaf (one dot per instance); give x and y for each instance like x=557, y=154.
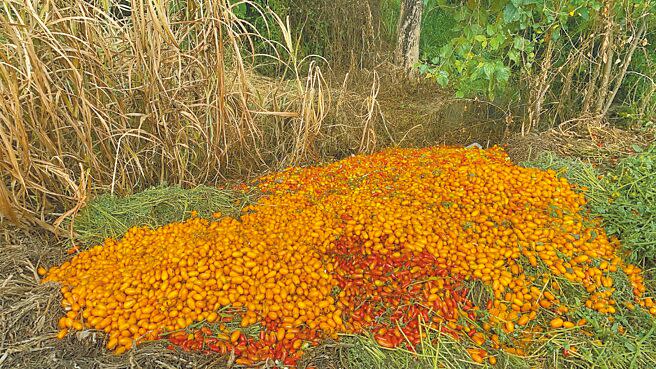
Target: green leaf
x=510, y=13
x=489, y=30
x=514, y=56
x=459, y=66
x=442, y=78
x=502, y=72
x=446, y=51
x=476, y=73
x=584, y=13
x=520, y=43
x=630, y=346
x=494, y=44
x=489, y=69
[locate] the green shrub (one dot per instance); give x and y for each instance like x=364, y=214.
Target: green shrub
x=546, y=60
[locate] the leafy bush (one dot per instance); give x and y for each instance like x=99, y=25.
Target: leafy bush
x=562, y=59
x=495, y=38
x=623, y=196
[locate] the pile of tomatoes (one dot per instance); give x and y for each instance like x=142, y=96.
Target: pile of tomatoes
x=248, y=350
x=387, y=245
x=391, y=296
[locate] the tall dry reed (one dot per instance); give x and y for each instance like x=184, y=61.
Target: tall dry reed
x=92, y=104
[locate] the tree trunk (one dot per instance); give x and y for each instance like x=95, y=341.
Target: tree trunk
x=409, y=28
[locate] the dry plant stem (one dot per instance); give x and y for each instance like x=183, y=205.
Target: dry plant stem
x=596, y=65
x=368, y=140
x=567, y=88
x=539, y=91
x=608, y=53
x=637, y=38
x=591, y=89
x=345, y=32
x=167, y=97
x=5, y=205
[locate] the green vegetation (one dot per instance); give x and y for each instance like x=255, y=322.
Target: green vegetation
x=361, y=352
x=624, y=196
x=566, y=348
x=479, y=48
x=111, y=216
x=540, y=46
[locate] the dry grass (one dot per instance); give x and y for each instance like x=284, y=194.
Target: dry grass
x=91, y=104
x=588, y=139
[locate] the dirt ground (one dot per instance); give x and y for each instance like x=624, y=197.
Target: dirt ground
x=417, y=112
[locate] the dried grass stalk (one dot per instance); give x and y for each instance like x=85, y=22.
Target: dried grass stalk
x=89, y=103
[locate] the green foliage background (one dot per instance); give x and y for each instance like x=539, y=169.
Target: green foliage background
x=499, y=43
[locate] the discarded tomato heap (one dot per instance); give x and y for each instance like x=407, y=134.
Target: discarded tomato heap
x=383, y=243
